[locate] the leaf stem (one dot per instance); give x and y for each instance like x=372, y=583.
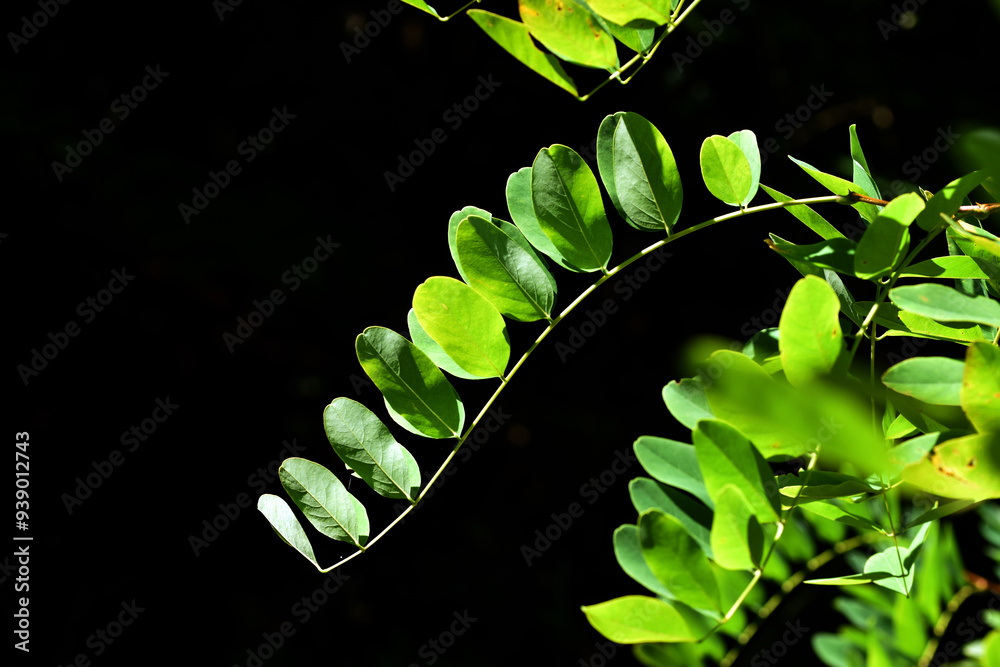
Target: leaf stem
x=607, y=274
x=789, y=585
x=458, y=11
x=644, y=56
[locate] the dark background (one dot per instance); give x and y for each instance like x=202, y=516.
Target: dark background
x=323, y=176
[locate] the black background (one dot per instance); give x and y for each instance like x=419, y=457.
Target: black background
x=324, y=176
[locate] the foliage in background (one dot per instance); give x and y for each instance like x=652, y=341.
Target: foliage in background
x=584, y=34
x=796, y=442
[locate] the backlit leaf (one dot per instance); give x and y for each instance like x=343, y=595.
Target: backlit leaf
x=466, y=326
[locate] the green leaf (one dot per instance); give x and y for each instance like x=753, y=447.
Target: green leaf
x=737, y=538
x=966, y=467
x=948, y=200
x=623, y=13
x=862, y=174
x=515, y=235
x=324, y=500
x=283, y=521
x=639, y=36
x=806, y=215
x=824, y=484
x=411, y=383
x=429, y=347
x=678, y=561
x=782, y=421
x=726, y=457
x=902, y=323
x=569, y=208
x=571, y=32
x=747, y=142
x=885, y=569
x=606, y=158
x=910, y=452
x=811, y=340
x=364, y=443
x=628, y=553
x=420, y=4
x=956, y=267
x=515, y=39
x=980, y=395
x=466, y=326
x=836, y=254
x=885, y=242
x=686, y=401
x=726, y=170
x=936, y=380
x=638, y=167
x=647, y=494
x=834, y=512
x=456, y=218
x=636, y=619
x=946, y=304
x=673, y=463
x=839, y=186
x=503, y=272
x=523, y=213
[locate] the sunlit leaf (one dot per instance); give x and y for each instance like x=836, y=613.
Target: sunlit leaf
x=429, y=347
x=686, y=401
x=636, y=619
x=839, y=186
x=936, y=380
x=499, y=269
x=325, y=502
x=887, y=239
x=523, y=214
x=411, y=383
x=673, y=463
x=678, y=561
x=967, y=467
x=726, y=457
x=364, y=443
x=737, y=537
x=569, y=208
x=569, y=30
x=726, y=170
x=694, y=515
x=980, y=396
x=515, y=39
x=628, y=553
x=811, y=340
x=284, y=523
x=807, y=215
x=747, y=141
x=466, y=326
x=639, y=165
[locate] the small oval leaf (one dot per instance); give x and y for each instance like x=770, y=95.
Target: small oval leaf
x=411, y=383
x=324, y=501
x=726, y=170
x=466, y=326
x=365, y=444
